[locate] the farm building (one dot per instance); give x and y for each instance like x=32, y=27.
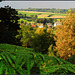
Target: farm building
x=57, y=23
x=22, y=24
x=49, y=25
x=40, y=25
x=33, y=26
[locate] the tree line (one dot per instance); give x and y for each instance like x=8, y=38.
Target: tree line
x=53, y=10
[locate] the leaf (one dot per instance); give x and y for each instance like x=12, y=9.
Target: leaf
x=1, y=67
x=9, y=59
x=1, y=58
x=31, y=65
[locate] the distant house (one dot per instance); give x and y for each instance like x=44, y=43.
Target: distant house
x=27, y=24
x=57, y=23
x=33, y=26
x=49, y=25
x=40, y=25
x=22, y=24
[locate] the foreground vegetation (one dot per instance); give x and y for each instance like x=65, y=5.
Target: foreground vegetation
x=20, y=60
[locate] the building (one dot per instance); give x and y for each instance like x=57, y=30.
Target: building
x=49, y=25
x=33, y=26
x=22, y=24
x=57, y=23
x=40, y=25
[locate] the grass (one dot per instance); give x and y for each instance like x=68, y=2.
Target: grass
x=26, y=21
x=27, y=13
x=13, y=58
x=20, y=60
x=41, y=13
x=13, y=47
x=59, y=14
x=54, y=14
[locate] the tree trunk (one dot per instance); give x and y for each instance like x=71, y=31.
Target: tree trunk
x=26, y=44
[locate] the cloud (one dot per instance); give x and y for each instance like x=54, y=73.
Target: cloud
x=39, y=4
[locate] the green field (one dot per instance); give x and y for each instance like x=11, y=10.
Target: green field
x=28, y=14
x=54, y=14
x=41, y=13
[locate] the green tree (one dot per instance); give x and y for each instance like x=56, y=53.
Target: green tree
x=22, y=21
x=25, y=34
x=42, y=40
x=8, y=25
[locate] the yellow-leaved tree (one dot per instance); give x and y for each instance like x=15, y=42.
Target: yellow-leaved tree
x=65, y=36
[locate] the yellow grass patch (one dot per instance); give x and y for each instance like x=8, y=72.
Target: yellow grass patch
x=43, y=15
x=35, y=12
x=57, y=16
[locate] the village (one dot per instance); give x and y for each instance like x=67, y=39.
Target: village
x=41, y=25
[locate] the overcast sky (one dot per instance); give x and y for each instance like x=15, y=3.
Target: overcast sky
x=39, y=4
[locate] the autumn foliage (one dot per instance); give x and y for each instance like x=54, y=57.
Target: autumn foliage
x=65, y=37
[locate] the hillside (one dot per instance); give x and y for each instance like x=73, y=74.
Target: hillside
x=20, y=60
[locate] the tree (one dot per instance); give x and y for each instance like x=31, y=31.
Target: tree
x=8, y=25
x=42, y=40
x=50, y=51
x=39, y=39
x=25, y=15
x=22, y=21
x=36, y=16
x=0, y=0
x=65, y=37
x=24, y=35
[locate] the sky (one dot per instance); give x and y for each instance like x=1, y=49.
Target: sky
x=39, y=4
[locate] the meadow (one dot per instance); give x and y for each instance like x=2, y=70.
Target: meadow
x=43, y=14
x=27, y=13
